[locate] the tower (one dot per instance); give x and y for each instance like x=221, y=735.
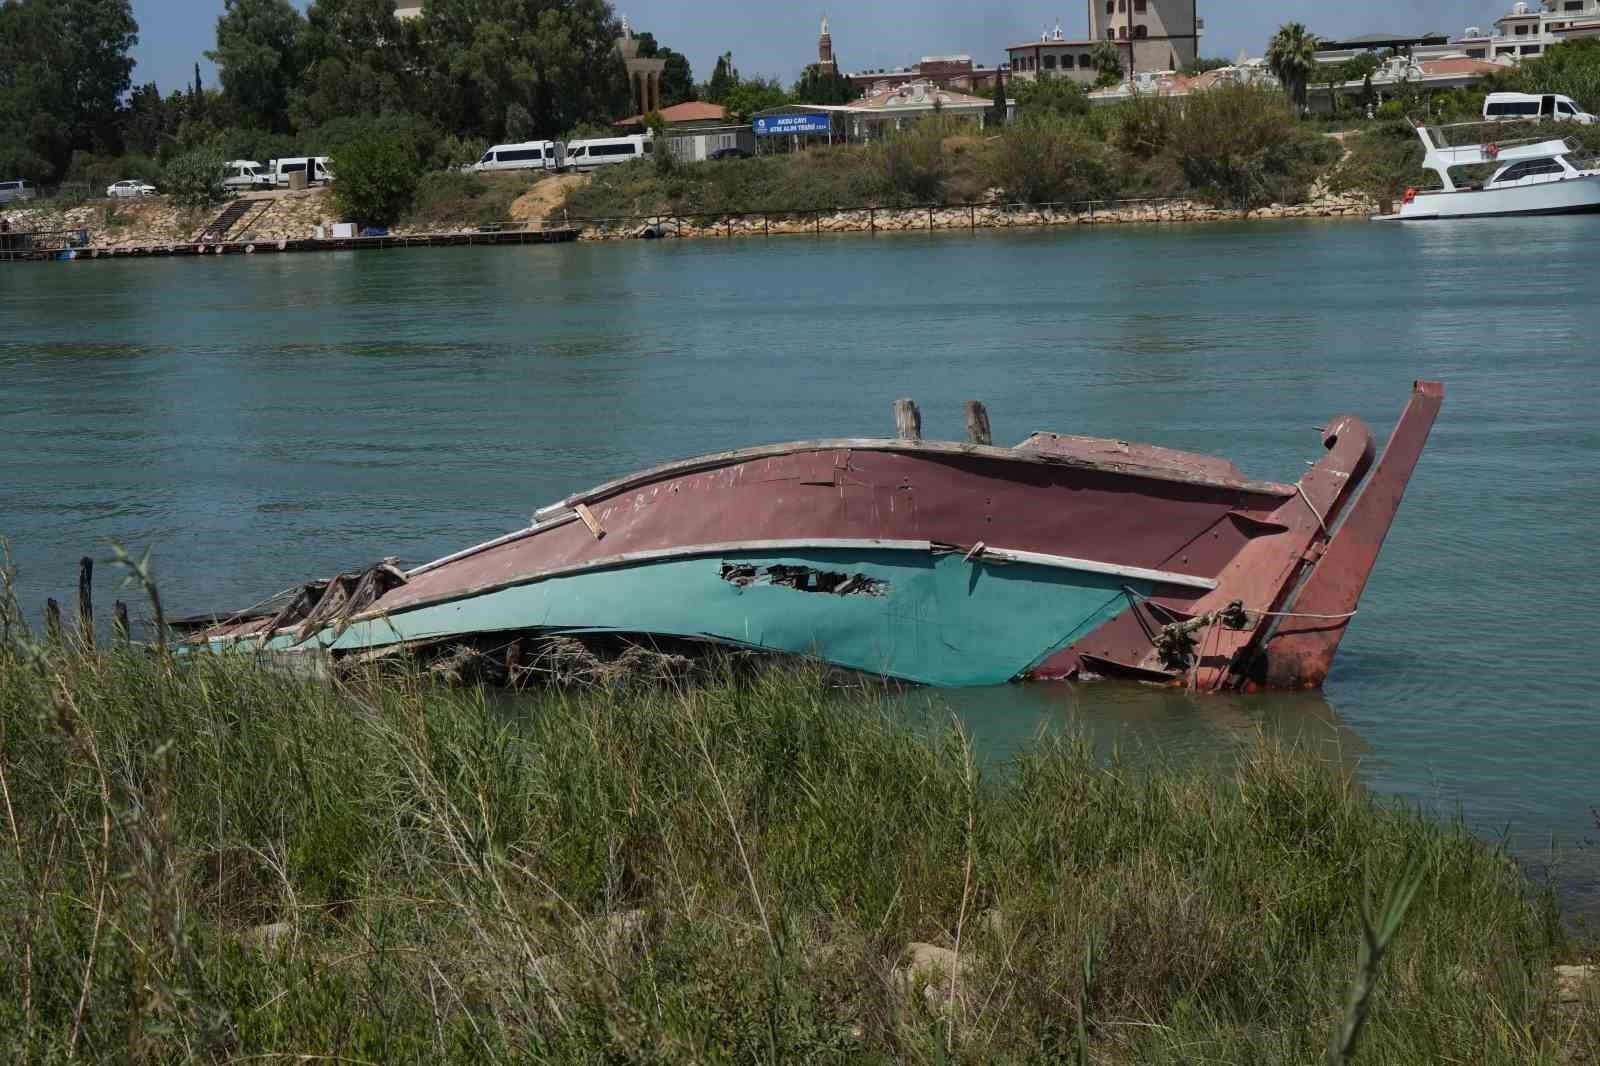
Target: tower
x=825, y=61
x=644, y=75
x=1150, y=34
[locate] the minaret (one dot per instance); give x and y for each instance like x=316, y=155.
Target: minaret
x=825, y=61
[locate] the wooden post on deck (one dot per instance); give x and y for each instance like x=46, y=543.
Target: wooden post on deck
x=978, y=423
x=86, y=602
x=907, y=420
x=119, y=623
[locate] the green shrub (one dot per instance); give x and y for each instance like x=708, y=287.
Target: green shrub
x=1241, y=147
x=1383, y=162
x=664, y=159
x=1061, y=97
x=451, y=199
x=1049, y=160
x=1144, y=125
x=194, y=179
x=914, y=162
x=95, y=172
x=458, y=150
x=423, y=138
x=239, y=142
x=375, y=177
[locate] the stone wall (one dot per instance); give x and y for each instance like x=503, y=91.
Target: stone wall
x=156, y=220
x=981, y=216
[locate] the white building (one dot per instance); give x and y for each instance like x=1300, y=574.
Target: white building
x=1149, y=35
x=1527, y=30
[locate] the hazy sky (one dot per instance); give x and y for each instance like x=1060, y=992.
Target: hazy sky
x=779, y=37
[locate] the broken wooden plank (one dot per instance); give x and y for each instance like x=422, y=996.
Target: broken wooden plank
x=591, y=521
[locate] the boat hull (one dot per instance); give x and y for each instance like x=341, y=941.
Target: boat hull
x=946, y=564
x=910, y=612
x=1572, y=196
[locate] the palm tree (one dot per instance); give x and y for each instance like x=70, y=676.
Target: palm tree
x=1292, y=56
x=1108, y=61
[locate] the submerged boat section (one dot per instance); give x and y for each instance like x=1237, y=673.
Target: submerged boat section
x=944, y=563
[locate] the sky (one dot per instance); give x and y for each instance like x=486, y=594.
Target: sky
x=779, y=37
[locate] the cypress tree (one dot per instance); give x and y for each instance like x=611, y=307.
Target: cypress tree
x=997, y=114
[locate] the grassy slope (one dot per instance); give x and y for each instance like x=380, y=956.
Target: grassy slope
x=805, y=181
x=450, y=199
x=724, y=874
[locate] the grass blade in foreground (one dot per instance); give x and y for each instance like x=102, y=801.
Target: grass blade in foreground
x=393, y=870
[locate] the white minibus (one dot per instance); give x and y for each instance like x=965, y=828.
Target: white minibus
x=1533, y=106
x=315, y=167
x=586, y=155
x=529, y=155
x=244, y=174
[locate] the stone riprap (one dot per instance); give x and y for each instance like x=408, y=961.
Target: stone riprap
x=155, y=220
x=979, y=216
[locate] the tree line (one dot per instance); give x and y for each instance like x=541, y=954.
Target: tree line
x=465, y=74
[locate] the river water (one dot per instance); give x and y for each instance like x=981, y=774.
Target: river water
x=261, y=420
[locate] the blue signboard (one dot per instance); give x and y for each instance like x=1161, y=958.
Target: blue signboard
x=779, y=125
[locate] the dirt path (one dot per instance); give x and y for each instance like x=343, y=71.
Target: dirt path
x=546, y=198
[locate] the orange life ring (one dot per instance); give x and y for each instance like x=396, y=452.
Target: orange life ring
x=1411, y=194
x=1492, y=151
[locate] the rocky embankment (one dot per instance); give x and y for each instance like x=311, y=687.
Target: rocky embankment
x=981, y=216
x=271, y=216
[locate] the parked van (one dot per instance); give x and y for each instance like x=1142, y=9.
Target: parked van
x=529, y=155
x=241, y=174
x=1535, y=106
x=586, y=155
x=17, y=190
x=315, y=168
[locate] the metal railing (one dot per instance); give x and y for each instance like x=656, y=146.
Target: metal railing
x=44, y=245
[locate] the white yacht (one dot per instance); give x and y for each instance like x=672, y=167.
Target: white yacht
x=1531, y=177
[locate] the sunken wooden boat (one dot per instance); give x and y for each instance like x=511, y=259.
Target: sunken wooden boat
x=944, y=563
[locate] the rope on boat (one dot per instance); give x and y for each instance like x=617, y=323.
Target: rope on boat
x=1323, y=522
x=1176, y=645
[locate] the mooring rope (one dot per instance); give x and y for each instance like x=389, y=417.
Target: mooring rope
x=1323, y=522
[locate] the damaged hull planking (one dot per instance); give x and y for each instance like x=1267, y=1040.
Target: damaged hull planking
x=941, y=563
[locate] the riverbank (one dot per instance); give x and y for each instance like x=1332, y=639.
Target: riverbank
x=229, y=862
x=957, y=217
x=289, y=222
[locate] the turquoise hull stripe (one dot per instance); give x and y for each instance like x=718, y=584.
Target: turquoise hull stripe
x=937, y=619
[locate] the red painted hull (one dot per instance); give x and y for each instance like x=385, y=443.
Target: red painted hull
x=1115, y=506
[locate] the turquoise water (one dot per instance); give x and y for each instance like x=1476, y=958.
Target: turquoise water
x=263, y=420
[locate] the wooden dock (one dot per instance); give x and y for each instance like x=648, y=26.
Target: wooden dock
x=560, y=235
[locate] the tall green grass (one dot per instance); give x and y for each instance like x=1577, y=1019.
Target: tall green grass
x=208, y=861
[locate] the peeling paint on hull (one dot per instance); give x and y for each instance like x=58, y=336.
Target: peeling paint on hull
x=944, y=563
x=935, y=619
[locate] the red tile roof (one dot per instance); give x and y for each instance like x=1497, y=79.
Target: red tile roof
x=1439, y=68
x=693, y=111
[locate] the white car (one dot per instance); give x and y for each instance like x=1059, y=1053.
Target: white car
x=130, y=188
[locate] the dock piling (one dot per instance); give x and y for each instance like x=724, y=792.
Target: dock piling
x=86, y=602
x=978, y=423
x=907, y=420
